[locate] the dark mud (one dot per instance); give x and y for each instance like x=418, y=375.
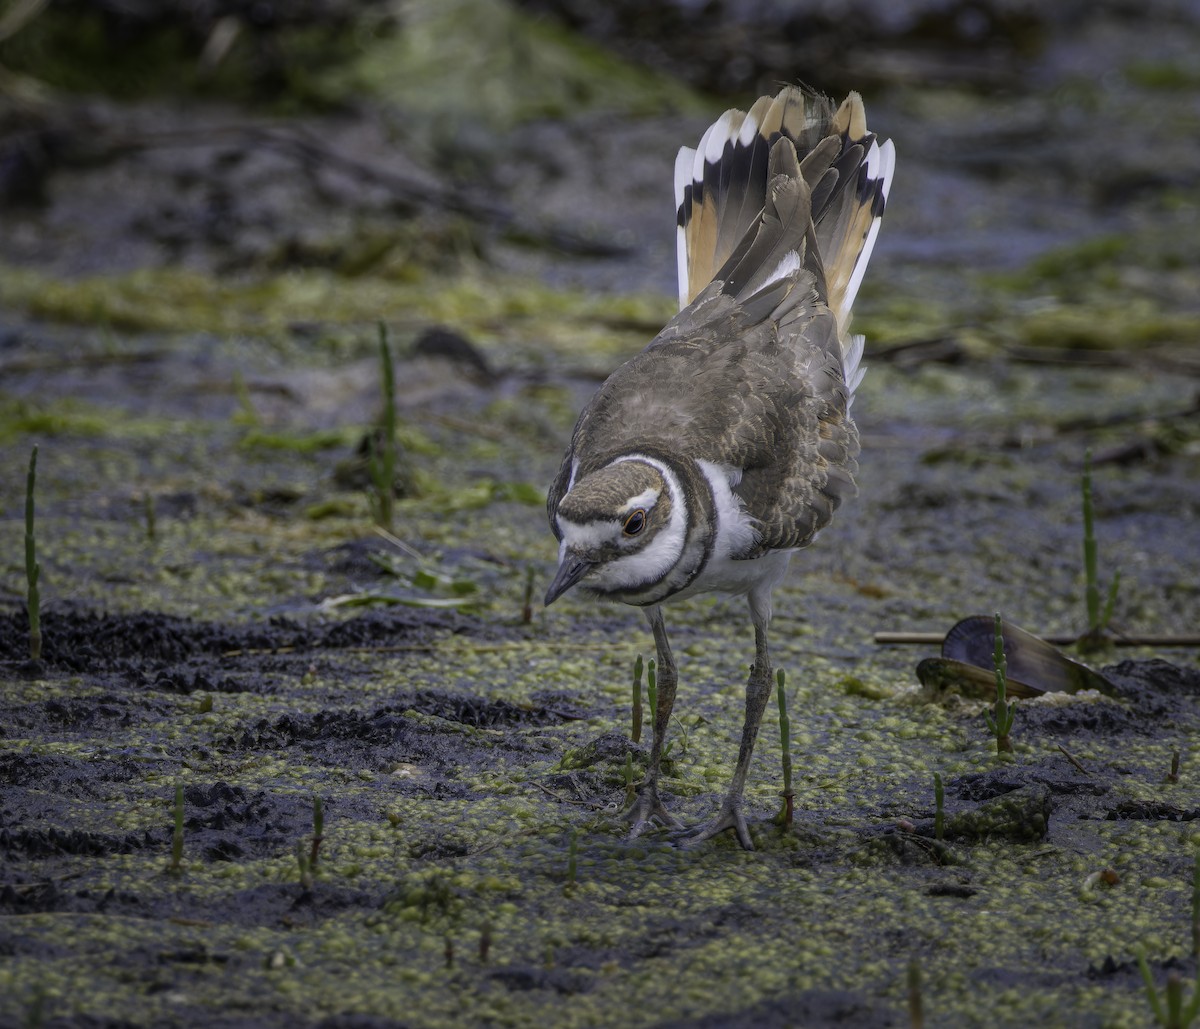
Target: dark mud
x=92, y=739
x=189, y=300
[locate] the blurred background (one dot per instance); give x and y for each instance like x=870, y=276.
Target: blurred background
x=393, y=138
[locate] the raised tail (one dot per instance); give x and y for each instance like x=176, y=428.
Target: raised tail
x=721, y=195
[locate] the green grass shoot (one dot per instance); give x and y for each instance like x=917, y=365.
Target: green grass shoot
x=939, y=810
x=1196, y=905
x=304, y=865
x=1174, y=1014
x=916, y=1008
x=318, y=837
x=247, y=414
x=485, y=941
x=786, y=813
x=636, y=732
x=35, y=1016
x=1000, y=718
x=527, y=598
x=381, y=461
x=176, y=866
x=148, y=510
x=307, y=855
x=1173, y=774
x=33, y=570
x=1098, y=617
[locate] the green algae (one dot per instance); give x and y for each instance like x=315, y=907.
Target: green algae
x=279, y=65
x=1118, y=327
x=19, y=418
x=1092, y=262
x=488, y=61
x=890, y=317
x=492, y=306
x=1167, y=76
x=1110, y=292
x=486, y=57
x=300, y=442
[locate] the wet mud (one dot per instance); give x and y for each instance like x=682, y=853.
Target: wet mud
x=399, y=780
x=92, y=739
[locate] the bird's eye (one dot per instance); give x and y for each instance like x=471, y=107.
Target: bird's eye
x=635, y=523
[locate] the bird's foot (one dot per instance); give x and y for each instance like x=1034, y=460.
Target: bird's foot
x=647, y=809
x=729, y=817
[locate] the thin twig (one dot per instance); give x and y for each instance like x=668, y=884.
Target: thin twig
x=395, y=541
x=1070, y=757
x=1057, y=639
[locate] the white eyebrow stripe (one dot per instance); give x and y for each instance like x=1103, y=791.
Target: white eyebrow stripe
x=588, y=535
x=646, y=499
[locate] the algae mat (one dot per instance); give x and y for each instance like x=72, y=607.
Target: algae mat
x=469, y=871
x=470, y=764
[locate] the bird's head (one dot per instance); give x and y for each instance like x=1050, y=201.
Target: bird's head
x=621, y=528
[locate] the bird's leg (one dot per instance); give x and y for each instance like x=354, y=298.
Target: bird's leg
x=646, y=805
x=758, y=691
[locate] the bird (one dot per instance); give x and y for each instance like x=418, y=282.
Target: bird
x=704, y=462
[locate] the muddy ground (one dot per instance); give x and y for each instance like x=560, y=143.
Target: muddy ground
x=188, y=332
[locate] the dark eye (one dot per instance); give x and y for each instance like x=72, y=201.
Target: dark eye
x=635, y=523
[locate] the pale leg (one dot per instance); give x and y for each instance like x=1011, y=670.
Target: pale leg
x=647, y=806
x=758, y=692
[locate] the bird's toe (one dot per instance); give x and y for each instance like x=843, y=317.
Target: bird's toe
x=729, y=817
x=648, y=810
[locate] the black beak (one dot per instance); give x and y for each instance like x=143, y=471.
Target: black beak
x=570, y=572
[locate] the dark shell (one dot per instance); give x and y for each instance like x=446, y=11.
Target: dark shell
x=1034, y=666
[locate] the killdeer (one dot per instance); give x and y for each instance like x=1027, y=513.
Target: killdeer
x=707, y=460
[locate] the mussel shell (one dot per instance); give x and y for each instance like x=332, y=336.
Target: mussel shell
x=945, y=675
x=1034, y=666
